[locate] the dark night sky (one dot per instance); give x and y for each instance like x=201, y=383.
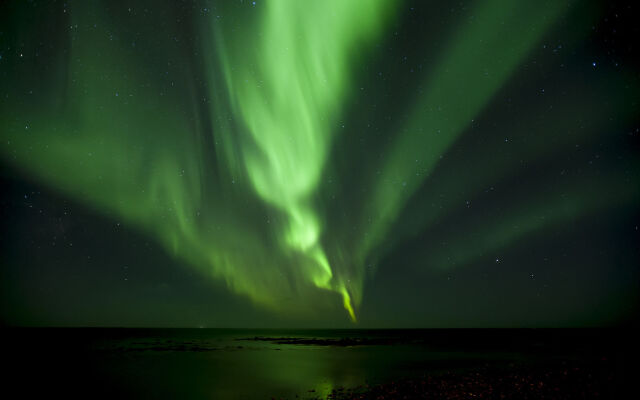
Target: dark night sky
x=312, y=164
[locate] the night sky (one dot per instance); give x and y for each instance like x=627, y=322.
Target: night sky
x=319, y=163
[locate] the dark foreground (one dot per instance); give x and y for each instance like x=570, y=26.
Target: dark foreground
x=562, y=380
x=314, y=364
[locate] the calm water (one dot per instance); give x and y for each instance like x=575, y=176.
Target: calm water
x=223, y=364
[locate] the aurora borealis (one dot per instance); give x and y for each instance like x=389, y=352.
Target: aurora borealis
x=328, y=162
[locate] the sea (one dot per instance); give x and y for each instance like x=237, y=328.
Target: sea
x=268, y=364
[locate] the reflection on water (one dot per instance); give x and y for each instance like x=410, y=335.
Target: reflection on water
x=250, y=364
x=242, y=364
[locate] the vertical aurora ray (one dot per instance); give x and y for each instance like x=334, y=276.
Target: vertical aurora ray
x=288, y=90
x=541, y=206
x=461, y=84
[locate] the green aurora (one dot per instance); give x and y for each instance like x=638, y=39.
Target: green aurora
x=233, y=158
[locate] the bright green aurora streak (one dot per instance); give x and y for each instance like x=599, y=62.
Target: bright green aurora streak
x=288, y=90
x=230, y=181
